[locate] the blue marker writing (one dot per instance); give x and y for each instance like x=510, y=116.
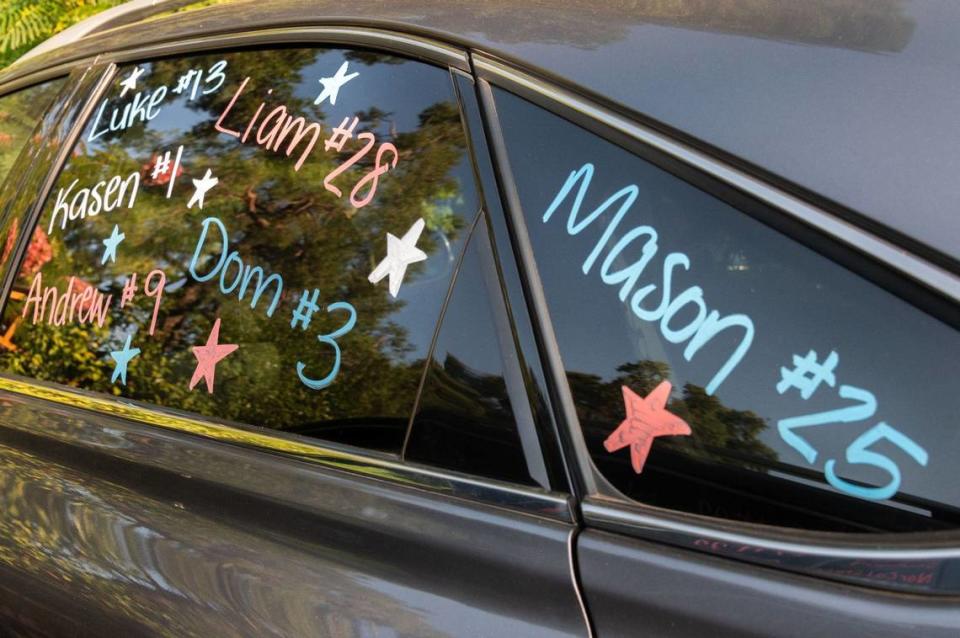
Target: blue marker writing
x=698, y=332
x=244, y=273
x=330, y=339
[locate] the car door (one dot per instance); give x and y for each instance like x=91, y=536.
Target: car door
x=759, y=399
x=259, y=374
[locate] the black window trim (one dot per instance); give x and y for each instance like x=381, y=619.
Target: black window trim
x=539, y=502
x=602, y=508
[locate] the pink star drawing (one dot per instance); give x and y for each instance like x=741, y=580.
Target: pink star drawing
x=208, y=355
x=647, y=418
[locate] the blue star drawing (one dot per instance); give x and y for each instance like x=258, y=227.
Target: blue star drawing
x=122, y=358
x=332, y=85
x=111, y=243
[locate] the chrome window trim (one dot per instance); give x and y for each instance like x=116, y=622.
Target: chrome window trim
x=367, y=464
x=863, y=241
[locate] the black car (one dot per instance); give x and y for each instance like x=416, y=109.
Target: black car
x=498, y=319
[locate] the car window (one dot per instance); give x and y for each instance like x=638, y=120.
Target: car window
x=24, y=114
x=720, y=367
x=260, y=237
x=20, y=113
x=466, y=418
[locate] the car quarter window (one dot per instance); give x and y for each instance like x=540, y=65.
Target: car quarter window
x=262, y=237
x=720, y=367
x=20, y=113
x=23, y=113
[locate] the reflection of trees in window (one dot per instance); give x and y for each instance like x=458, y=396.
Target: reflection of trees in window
x=282, y=220
x=465, y=422
x=720, y=433
x=19, y=114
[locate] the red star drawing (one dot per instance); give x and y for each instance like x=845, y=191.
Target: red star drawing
x=647, y=418
x=208, y=355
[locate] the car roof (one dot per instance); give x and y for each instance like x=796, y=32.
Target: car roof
x=855, y=101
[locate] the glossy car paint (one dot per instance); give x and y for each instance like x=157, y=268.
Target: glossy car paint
x=198, y=537
x=170, y=535
x=638, y=588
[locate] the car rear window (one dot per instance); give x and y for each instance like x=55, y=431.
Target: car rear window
x=261, y=237
x=717, y=365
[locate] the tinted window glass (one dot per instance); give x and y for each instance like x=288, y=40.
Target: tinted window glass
x=20, y=112
x=722, y=368
x=24, y=114
x=465, y=419
x=263, y=237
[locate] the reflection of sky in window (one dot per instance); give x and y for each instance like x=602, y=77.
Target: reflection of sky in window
x=377, y=85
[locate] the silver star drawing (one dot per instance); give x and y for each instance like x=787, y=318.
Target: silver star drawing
x=202, y=186
x=332, y=85
x=130, y=82
x=400, y=253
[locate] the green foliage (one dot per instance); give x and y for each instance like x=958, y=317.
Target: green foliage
x=26, y=23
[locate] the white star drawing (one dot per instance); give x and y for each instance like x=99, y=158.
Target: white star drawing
x=130, y=83
x=202, y=186
x=332, y=85
x=400, y=254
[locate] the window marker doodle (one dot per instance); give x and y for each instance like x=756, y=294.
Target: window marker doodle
x=646, y=419
x=130, y=82
x=707, y=325
x=332, y=85
x=331, y=340
x=245, y=273
x=160, y=279
x=864, y=410
x=80, y=299
x=144, y=106
x=341, y=134
x=164, y=173
x=305, y=309
x=208, y=355
x=129, y=290
x=283, y=125
x=400, y=253
x=192, y=78
x=121, y=359
x=152, y=287
x=806, y=376
x=110, y=245
x=81, y=206
x=201, y=187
